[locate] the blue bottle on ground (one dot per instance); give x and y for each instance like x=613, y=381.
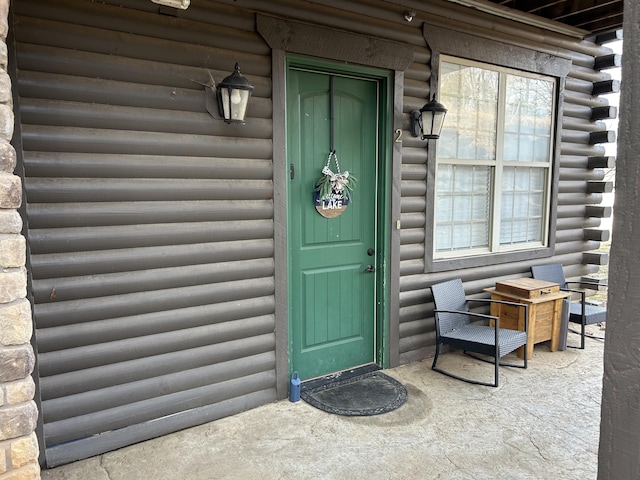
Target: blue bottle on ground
x=294, y=389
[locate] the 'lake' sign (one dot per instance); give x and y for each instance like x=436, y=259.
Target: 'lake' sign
x=330, y=205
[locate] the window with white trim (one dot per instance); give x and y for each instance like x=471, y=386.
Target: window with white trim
x=494, y=159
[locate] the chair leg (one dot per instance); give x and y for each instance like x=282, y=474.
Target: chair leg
x=586, y=335
x=457, y=377
x=496, y=369
x=474, y=382
x=489, y=360
x=582, y=333
x=435, y=357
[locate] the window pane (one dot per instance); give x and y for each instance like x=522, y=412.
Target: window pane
x=462, y=208
x=445, y=178
x=507, y=205
x=505, y=232
x=443, y=238
x=463, y=179
x=482, y=178
x=525, y=147
x=528, y=115
x=461, y=236
x=480, y=207
x=467, y=145
x=521, y=178
x=534, y=230
x=520, y=204
x=523, y=193
x=508, y=178
x=519, y=231
x=470, y=94
x=448, y=143
x=510, y=144
x=480, y=234
x=444, y=212
x=536, y=203
x=541, y=149
x=486, y=146
x=543, y=123
x=462, y=216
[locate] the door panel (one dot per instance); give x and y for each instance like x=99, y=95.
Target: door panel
x=332, y=295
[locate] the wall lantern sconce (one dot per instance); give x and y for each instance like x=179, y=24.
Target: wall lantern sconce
x=427, y=122
x=233, y=97
x=181, y=4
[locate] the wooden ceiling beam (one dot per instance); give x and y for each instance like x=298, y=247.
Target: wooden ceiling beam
x=591, y=15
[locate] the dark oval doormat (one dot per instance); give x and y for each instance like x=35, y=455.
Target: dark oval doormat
x=368, y=394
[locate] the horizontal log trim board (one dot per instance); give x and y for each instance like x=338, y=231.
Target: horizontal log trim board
x=154, y=228
x=443, y=40
x=295, y=37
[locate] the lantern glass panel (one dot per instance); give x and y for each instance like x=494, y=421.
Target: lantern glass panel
x=234, y=104
x=239, y=101
x=432, y=123
x=225, y=103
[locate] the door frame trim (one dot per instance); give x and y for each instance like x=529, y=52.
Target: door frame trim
x=345, y=46
x=387, y=334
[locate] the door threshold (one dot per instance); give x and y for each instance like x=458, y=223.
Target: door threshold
x=342, y=375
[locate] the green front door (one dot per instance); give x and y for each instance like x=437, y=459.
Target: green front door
x=332, y=261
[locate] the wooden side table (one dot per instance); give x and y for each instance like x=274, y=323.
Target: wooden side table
x=545, y=309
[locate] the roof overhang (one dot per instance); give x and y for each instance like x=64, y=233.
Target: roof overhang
x=523, y=17
x=577, y=18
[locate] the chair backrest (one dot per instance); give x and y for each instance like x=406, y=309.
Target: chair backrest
x=450, y=295
x=551, y=273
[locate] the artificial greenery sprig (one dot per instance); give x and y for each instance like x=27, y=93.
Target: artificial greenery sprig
x=330, y=182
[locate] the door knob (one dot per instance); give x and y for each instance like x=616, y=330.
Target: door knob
x=370, y=268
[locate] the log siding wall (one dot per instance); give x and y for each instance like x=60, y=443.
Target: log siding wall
x=151, y=224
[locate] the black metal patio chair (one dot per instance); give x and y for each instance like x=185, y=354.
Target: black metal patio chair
x=464, y=330
x=579, y=312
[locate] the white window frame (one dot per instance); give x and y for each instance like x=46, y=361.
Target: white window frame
x=498, y=165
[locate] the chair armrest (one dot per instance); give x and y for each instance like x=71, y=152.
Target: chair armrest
x=478, y=315
x=583, y=295
x=587, y=282
x=470, y=314
x=572, y=290
x=575, y=290
x=504, y=302
x=583, y=298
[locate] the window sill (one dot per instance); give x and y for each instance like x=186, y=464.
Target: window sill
x=488, y=259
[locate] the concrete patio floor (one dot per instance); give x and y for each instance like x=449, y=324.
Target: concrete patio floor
x=541, y=423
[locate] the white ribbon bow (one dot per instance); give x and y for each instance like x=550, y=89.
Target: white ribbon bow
x=338, y=180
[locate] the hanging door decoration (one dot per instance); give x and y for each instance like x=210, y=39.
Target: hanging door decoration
x=333, y=191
